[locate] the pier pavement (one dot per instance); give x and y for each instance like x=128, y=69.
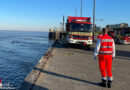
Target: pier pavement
x=75, y=69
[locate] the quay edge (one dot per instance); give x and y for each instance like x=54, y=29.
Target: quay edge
x=29, y=81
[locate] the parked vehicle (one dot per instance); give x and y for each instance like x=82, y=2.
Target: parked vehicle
x=79, y=31
x=120, y=34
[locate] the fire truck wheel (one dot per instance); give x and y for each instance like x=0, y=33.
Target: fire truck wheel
x=117, y=41
x=88, y=47
x=68, y=45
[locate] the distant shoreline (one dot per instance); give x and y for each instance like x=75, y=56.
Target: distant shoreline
x=25, y=30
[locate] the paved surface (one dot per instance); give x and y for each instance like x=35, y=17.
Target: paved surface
x=75, y=69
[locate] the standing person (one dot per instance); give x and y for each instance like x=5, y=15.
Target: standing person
x=105, y=49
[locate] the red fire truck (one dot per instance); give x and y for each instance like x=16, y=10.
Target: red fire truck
x=120, y=34
x=79, y=31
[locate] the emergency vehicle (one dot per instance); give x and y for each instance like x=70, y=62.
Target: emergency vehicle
x=120, y=34
x=79, y=31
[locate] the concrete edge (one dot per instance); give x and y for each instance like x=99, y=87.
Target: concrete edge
x=32, y=77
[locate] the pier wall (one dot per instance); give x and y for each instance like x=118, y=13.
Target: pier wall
x=31, y=78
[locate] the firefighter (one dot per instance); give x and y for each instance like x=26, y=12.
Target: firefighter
x=105, y=49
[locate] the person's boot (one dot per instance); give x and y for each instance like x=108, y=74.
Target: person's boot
x=109, y=84
x=103, y=83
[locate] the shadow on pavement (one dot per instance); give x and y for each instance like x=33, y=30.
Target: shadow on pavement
x=120, y=57
x=68, y=77
x=123, y=54
x=61, y=44
x=29, y=86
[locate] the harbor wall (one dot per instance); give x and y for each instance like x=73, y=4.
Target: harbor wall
x=31, y=78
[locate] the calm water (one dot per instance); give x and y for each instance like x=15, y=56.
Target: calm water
x=19, y=53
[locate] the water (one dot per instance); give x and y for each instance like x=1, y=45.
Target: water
x=19, y=53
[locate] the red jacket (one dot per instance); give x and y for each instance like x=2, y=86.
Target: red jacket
x=106, y=45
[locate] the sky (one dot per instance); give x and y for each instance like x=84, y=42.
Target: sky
x=40, y=15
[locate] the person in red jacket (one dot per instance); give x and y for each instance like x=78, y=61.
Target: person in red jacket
x=105, y=49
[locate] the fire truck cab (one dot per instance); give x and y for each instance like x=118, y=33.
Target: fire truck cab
x=79, y=30
x=120, y=32
x=122, y=35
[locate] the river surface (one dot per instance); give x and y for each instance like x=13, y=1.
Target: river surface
x=19, y=53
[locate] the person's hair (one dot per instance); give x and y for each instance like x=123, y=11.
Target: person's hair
x=105, y=31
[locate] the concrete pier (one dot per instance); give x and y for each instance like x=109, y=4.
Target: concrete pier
x=75, y=69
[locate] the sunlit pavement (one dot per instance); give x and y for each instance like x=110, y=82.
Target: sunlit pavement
x=75, y=69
